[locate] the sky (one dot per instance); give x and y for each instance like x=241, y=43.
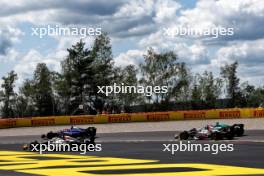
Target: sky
x=134, y=26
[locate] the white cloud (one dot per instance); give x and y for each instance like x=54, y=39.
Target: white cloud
x=11, y=55
x=131, y=57
x=1, y=82
x=250, y=56
x=244, y=16
x=67, y=42
x=135, y=9
x=158, y=41
x=166, y=11
x=193, y=55
x=247, y=53
x=143, y=22
x=28, y=63
x=8, y=36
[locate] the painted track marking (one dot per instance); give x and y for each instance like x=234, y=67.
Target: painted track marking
x=82, y=165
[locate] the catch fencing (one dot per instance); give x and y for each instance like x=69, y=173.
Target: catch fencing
x=235, y=113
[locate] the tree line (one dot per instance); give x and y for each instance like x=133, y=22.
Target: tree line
x=74, y=90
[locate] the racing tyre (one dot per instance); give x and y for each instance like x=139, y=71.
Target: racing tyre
x=215, y=136
x=230, y=136
x=91, y=131
x=92, y=140
x=238, y=129
x=51, y=135
x=184, y=135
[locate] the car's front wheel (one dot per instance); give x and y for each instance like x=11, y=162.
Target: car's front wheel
x=238, y=129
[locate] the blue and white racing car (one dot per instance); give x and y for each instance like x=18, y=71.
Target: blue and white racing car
x=74, y=132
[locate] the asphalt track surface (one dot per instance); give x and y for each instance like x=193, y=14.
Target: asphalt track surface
x=137, y=153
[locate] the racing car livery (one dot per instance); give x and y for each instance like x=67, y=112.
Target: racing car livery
x=57, y=140
x=74, y=132
x=215, y=132
x=73, y=135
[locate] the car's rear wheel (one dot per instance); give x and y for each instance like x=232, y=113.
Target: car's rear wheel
x=215, y=136
x=240, y=132
x=51, y=135
x=184, y=135
x=230, y=135
x=91, y=131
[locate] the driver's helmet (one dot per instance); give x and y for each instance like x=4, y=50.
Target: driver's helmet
x=67, y=137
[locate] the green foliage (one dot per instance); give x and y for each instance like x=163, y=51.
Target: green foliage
x=76, y=77
x=163, y=69
x=103, y=64
x=8, y=95
x=209, y=88
x=86, y=68
x=127, y=76
x=83, y=70
x=229, y=73
x=251, y=96
x=43, y=95
x=25, y=100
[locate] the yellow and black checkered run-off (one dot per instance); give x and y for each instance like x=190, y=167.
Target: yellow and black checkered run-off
x=32, y=164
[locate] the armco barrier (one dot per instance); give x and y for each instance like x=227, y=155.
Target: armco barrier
x=134, y=117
